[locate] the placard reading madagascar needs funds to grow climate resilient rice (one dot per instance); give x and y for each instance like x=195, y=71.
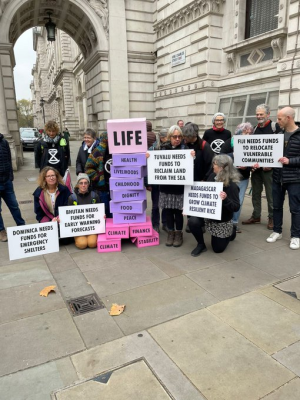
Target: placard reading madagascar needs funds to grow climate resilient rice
x=202, y=199
x=170, y=167
x=32, y=240
x=81, y=220
x=262, y=149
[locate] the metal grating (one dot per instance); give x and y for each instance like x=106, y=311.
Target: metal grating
x=85, y=304
x=25, y=201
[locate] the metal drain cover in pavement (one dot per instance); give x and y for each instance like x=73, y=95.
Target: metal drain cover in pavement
x=25, y=201
x=85, y=304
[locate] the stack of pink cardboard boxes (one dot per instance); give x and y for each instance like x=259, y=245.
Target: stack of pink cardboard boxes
x=127, y=141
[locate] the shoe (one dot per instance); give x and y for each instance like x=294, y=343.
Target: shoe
x=165, y=228
x=251, y=221
x=156, y=228
x=178, y=239
x=3, y=236
x=274, y=236
x=270, y=225
x=201, y=248
x=170, y=238
x=294, y=243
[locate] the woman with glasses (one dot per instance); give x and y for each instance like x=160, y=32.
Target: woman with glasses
x=223, y=231
x=83, y=195
x=217, y=135
x=171, y=196
x=50, y=194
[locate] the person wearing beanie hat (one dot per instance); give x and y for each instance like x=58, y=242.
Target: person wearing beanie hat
x=83, y=195
x=217, y=135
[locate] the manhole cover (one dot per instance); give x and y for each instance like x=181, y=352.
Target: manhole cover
x=25, y=201
x=85, y=304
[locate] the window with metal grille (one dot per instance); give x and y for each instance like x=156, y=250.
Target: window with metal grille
x=261, y=17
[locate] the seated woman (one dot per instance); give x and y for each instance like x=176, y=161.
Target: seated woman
x=84, y=195
x=50, y=194
x=223, y=231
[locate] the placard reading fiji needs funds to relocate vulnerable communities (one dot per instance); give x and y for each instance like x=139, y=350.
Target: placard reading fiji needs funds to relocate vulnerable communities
x=170, y=167
x=81, y=220
x=262, y=149
x=32, y=240
x=202, y=199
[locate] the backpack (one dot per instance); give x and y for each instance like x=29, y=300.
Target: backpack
x=93, y=195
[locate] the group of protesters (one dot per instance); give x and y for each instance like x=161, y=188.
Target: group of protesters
x=213, y=159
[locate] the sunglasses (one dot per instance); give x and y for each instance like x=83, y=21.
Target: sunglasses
x=176, y=137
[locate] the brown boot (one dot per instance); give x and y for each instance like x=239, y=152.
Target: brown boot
x=251, y=221
x=178, y=240
x=170, y=238
x=270, y=225
x=3, y=236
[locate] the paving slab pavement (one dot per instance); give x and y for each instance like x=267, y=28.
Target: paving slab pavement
x=214, y=327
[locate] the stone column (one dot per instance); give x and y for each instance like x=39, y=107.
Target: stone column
x=118, y=61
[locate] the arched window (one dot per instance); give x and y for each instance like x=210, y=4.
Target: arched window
x=261, y=17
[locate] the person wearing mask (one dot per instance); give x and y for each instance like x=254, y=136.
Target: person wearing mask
x=50, y=194
x=217, y=135
x=7, y=192
x=84, y=195
x=53, y=150
x=90, y=142
x=243, y=129
x=223, y=231
x=262, y=177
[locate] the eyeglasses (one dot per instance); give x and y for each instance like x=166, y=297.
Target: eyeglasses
x=176, y=137
x=83, y=183
x=219, y=120
x=50, y=176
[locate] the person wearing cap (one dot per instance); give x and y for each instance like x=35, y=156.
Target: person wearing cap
x=83, y=195
x=51, y=194
x=217, y=135
x=155, y=213
x=151, y=137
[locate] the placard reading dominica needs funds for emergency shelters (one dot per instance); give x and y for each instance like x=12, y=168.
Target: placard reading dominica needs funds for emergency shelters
x=170, y=167
x=81, y=220
x=202, y=199
x=262, y=149
x=32, y=240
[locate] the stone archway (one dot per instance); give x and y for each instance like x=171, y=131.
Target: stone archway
x=87, y=23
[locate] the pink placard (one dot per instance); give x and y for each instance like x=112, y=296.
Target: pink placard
x=128, y=195
x=145, y=229
x=105, y=245
x=129, y=218
x=146, y=241
x=120, y=160
x=130, y=207
x=114, y=231
x=127, y=135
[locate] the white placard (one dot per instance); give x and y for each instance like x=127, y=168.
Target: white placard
x=202, y=199
x=81, y=220
x=170, y=167
x=262, y=149
x=32, y=240
x=178, y=58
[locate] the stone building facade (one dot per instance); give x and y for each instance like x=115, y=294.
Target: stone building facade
x=160, y=59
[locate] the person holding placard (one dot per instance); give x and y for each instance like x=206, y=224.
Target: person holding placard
x=171, y=196
x=223, y=231
x=51, y=194
x=217, y=135
x=84, y=195
x=243, y=129
x=287, y=179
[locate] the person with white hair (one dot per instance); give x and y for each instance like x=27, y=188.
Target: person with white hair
x=217, y=135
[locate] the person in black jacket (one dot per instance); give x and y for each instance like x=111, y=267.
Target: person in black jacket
x=90, y=142
x=7, y=192
x=53, y=150
x=287, y=178
x=227, y=148
x=217, y=135
x=222, y=232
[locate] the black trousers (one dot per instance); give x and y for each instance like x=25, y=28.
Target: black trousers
x=174, y=219
x=218, y=244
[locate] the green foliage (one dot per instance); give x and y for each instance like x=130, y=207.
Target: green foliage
x=25, y=117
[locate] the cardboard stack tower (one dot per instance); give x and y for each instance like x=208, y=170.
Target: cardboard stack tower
x=127, y=141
